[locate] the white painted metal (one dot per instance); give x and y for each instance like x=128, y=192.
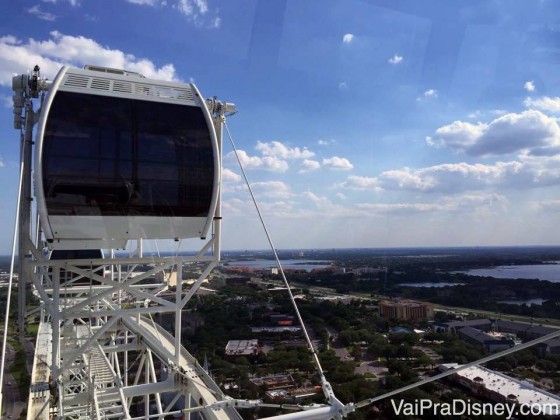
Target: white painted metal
x=93, y=231
x=100, y=354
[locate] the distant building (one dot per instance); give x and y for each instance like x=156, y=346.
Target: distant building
x=274, y=382
x=406, y=309
x=498, y=387
x=529, y=331
x=454, y=326
x=483, y=340
x=246, y=348
x=276, y=330
x=549, y=347
x=282, y=320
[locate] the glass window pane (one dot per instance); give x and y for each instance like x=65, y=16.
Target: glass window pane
x=115, y=156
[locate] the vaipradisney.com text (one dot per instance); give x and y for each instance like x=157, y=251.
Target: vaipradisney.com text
x=424, y=407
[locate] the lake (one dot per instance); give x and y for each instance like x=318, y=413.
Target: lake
x=293, y=264
x=550, y=272
x=528, y=302
x=428, y=284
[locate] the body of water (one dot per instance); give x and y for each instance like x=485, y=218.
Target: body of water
x=428, y=284
x=528, y=302
x=294, y=264
x=550, y=272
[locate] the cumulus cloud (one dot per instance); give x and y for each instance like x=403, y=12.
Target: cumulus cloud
x=278, y=149
x=396, y=59
x=362, y=183
x=268, y=163
x=545, y=104
x=272, y=188
x=17, y=57
x=482, y=114
x=336, y=162
x=309, y=165
x=461, y=203
x=320, y=202
x=347, y=38
x=229, y=175
x=197, y=11
x=529, y=86
x=428, y=94
x=38, y=13
x=510, y=133
x=451, y=178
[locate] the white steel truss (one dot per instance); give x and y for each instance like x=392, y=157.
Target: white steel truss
x=102, y=352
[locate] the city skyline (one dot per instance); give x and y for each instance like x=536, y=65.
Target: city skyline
x=363, y=124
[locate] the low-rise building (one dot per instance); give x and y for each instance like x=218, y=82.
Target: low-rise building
x=235, y=348
x=498, y=387
x=483, y=340
x=407, y=309
x=274, y=382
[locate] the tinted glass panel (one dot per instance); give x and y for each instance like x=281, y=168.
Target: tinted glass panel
x=121, y=157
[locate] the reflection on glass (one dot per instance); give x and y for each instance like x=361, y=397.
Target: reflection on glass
x=121, y=157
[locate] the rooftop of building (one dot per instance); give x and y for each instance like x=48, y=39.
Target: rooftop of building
x=523, y=391
x=242, y=347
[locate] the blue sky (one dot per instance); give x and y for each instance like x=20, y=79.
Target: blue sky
x=377, y=123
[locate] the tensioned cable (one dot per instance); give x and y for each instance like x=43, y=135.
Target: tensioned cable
x=10, y=282
x=285, y=280
x=366, y=402
x=494, y=356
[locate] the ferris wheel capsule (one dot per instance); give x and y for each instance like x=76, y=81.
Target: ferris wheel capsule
x=120, y=157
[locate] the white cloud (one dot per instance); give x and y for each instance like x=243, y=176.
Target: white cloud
x=545, y=104
x=197, y=11
x=268, y=163
x=7, y=101
x=320, y=202
x=145, y=2
x=309, y=165
x=451, y=178
x=17, y=57
x=272, y=189
x=451, y=204
x=361, y=183
x=73, y=3
x=552, y=206
x=396, y=59
x=428, y=94
x=480, y=114
x=2, y=162
x=529, y=86
x=528, y=132
x=348, y=38
x=326, y=142
x=336, y=162
x=278, y=149
x=229, y=175
x=38, y=13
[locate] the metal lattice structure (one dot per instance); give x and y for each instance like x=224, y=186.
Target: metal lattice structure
x=101, y=349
